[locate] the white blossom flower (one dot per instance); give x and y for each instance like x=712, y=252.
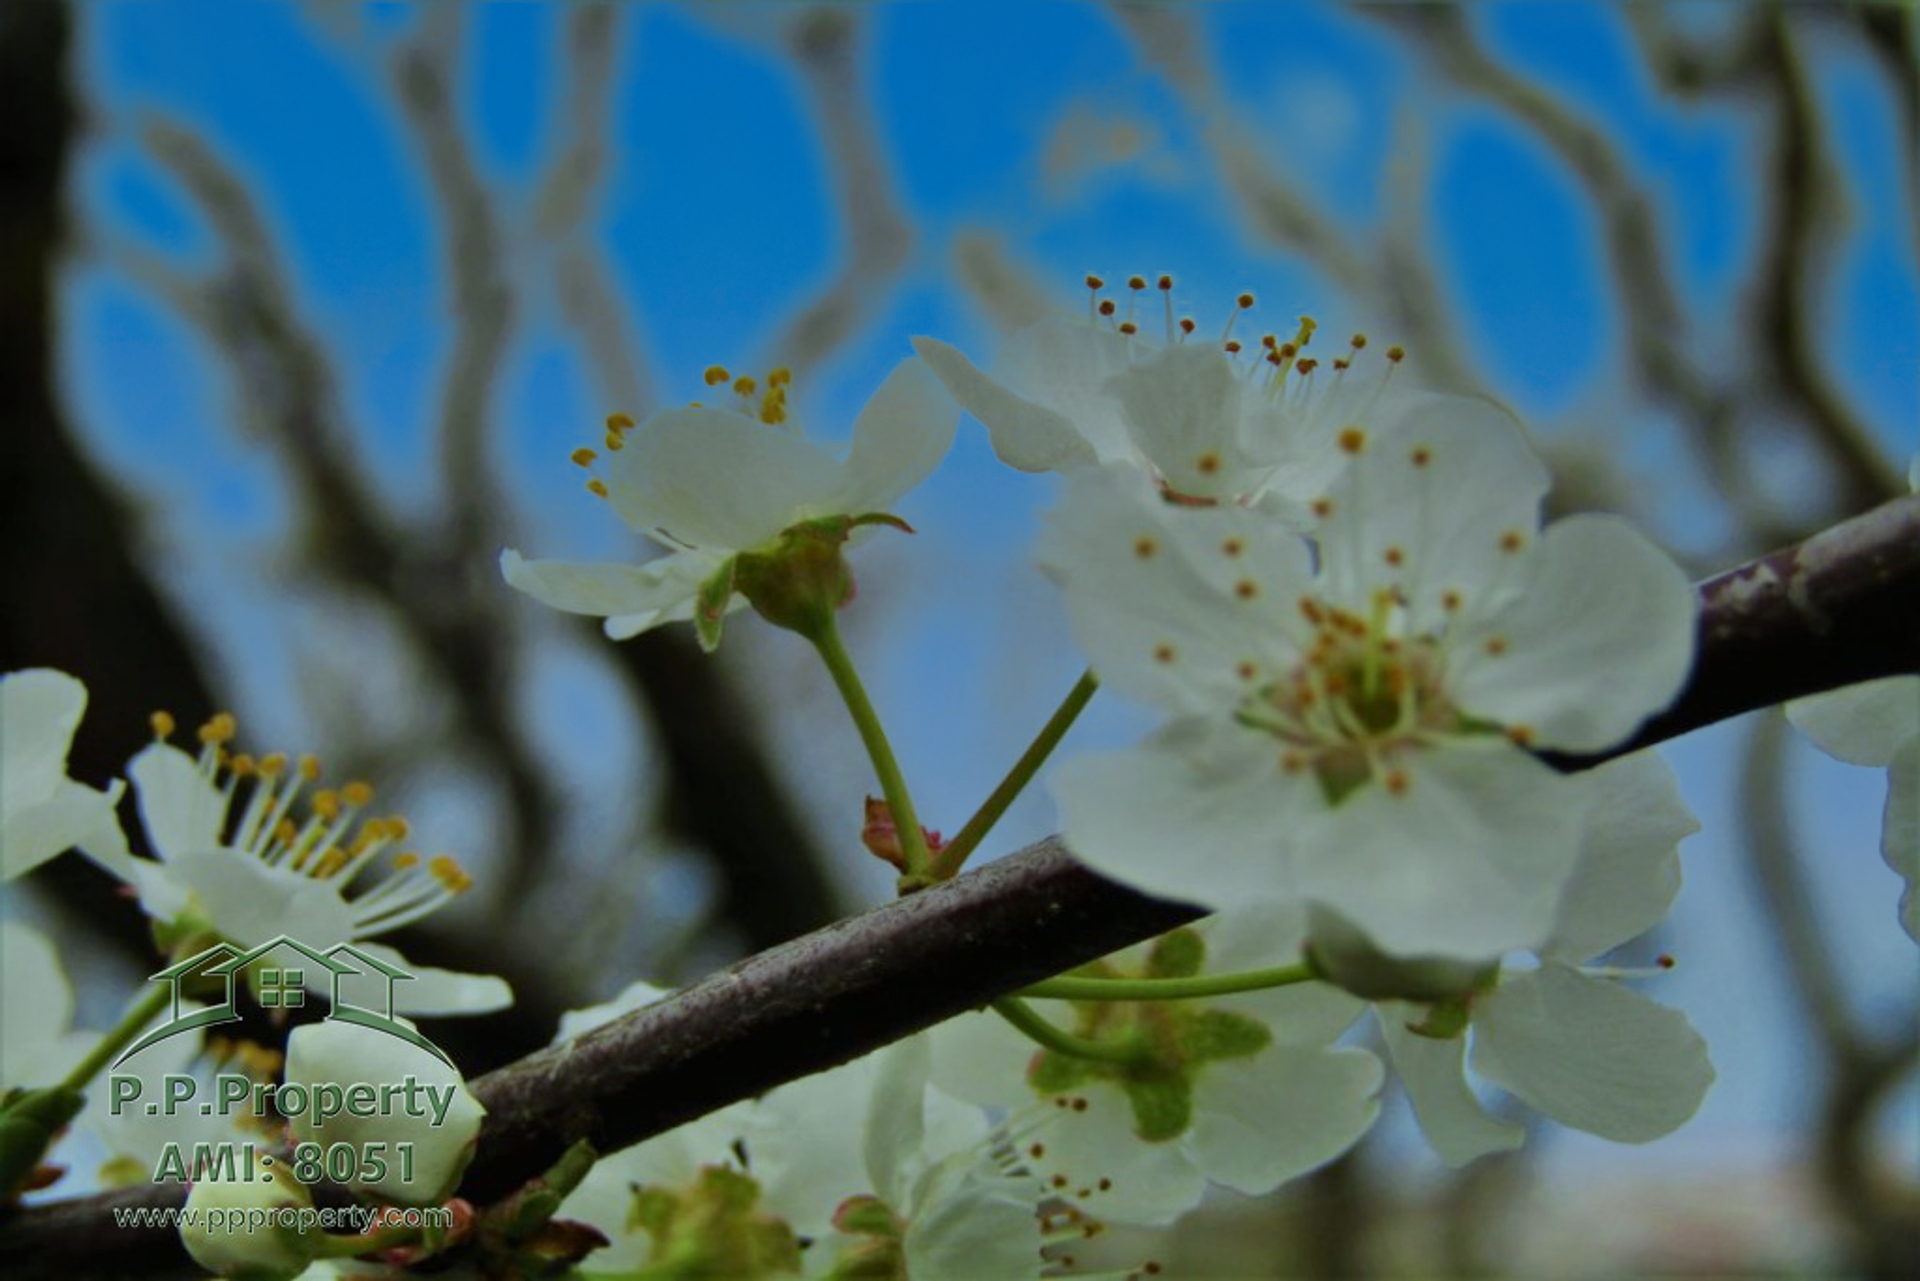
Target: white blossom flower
x=234, y=860
x=1569, y=1041
x=435, y=1119
x=1878, y=724
x=1207, y=420
x=1350, y=719
x=38, y=1045
x=42, y=811
x=709, y=483
x=1244, y=1090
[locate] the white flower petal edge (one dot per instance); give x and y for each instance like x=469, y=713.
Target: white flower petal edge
x=42, y=811
x=1434, y=1072
x=1628, y=870
x=1591, y=1054
x=632, y=598
x=37, y=1043
x=1900, y=830
x=1046, y=408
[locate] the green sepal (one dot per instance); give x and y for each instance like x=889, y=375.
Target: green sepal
x=1162, y=1106
x=1178, y=954
x=1445, y=1020
x=866, y=1216
x=1207, y=1035
x=710, y=606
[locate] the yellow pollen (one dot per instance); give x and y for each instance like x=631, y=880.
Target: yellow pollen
x=396, y=827
x=1233, y=347
x=583, y=457
x=220, y=728
x=1306, y=366
x=241, y=765
x=1163, y=653
x=619, y=422
x=357, y=794
x=615, y=442
x=1246, y=589
x=1395, y=556
x=1136, y=282
x=284, y=831
x=1233, y=547
x=715, y=375
x=1512, y=541
x=1421, y=455
x=1094, y=282
x=1106, y=307
x=1244, y=301
x=1396, y=354
x=1129, y=328
x=1208, y=463
x=326, y=803
x=309, y=766
x=1268, y=341
x=1186, y=324
x=780, y=376
x=449, y=873
x=1341, y=363
x=1496, y=645
x=597, y=487
x=162, y=723
x=330, y=863
x=405, y=860
x=1352, y=439
x=1145, y=547
x=273, y=764
x=744, y=386
x=1166, y=282
x=1359, y=341
x=1323, y=507
x=1450, y=600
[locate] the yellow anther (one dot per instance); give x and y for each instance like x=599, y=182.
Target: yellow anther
x=1129, y=328
x=309, y=766
x=619, y=422
x=1396, y=354
x=449, y=873
x=220, y=728
x=1166, y=282
x=396, y=827
x=326, y=803
x=1094, y=282
x=583, y=457
x=716, y=374
x=1359, y=341
x=330, y=863
x=284, y=831
x=272, y=764
x=597, y=487
x=357, y=793
x=242, y=765
x=744, y=386
x=780, y=377
x=1352, y=439
x=162, y=723
x=615, y=442
x=405, y=860
x=1136, y=282
x=1244, y=301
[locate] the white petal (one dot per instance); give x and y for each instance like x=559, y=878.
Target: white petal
x=1182, y=407
x=1237, y=939
x=898, y=439
x=39, y=711
x=896, y=1120
x=1435, y=1075
x=804, y=1143
x=1149, y=1183
x=1601, y=638
x=1201, y=817
x=1038, y=429
x=1861, y=724
x=1444, y=516
x=36, y=1009
x=181, y=810
x=433, y=991
x=641, y=596
x=714, y=479
x=1629, y=865
x=71, y=815
x=1189, y=609
x=971, y=1228
x=1259, y=1122
x=1591, y=1054
x=250, y=902
x=1900, y=837
x=634, y=996
x=1468, y=862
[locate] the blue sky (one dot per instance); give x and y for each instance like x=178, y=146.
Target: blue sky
x=719, y=221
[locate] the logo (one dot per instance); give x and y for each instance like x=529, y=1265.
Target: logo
x=281, y=985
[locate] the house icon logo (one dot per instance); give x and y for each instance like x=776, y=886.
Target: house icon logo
x=279, y=981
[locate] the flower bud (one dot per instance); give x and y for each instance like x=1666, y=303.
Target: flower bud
x=254, y=1221
x=364, y=1086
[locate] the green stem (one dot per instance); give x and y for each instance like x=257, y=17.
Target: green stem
x=950, y=859
x=1034, y=1026
x=119, y=1036
x=1091, y=989
x=893, y=785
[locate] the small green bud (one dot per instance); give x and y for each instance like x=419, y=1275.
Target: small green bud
x=1343, y=955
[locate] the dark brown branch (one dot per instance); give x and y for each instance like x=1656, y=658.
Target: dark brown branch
x=1841, y=608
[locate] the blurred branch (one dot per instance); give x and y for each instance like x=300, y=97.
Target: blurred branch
x=842, y=991
x=826, y=45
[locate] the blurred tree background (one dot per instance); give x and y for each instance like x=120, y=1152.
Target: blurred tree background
x=306, y=304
